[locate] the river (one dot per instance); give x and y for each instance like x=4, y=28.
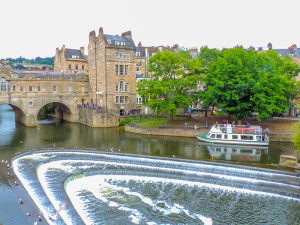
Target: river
x=16, y=139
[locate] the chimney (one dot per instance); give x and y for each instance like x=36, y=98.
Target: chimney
x=82, y=52
x=101, y=30
x=140, y=44
x=270, y=46
x=127, y=34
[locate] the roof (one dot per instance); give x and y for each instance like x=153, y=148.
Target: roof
x=74, y=54
x=114, y=38
x=39, y=73
x=140, y=50
x=283, y=52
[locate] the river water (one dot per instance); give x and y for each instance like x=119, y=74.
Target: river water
x=16, y=139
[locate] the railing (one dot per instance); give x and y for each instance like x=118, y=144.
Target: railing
x=97, y=109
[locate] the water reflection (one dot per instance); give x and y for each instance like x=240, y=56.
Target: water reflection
x=241, y=153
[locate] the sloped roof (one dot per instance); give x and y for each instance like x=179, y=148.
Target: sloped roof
x=73, y=52
x=140, y=50
x=114, y=38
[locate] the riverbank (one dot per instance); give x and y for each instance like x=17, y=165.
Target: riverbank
x=279, y=128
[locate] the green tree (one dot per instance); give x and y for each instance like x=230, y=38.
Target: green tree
x=174, y=78
x=242, y=82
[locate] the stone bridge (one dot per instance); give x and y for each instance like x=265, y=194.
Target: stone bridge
x=27, y=92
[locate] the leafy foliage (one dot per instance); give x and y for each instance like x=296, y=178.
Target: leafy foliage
x=296, y=129
x=242, y=82
x=37, y=60
x=174, y=77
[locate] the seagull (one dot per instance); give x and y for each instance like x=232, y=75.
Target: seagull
x=28, y=214
x=40, y=218
x=174, y=156
x=21, y=201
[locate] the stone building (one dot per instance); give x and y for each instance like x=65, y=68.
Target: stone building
x=70, y=60
x=112, y=71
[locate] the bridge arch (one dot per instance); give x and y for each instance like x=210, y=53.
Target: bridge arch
x=20, y=114
x=63, y=110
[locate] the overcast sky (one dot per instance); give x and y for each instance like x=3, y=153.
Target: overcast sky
x=31, y=28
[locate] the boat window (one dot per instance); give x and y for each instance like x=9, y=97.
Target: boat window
x=247, y=137
x=225, y=136
x=234, y=137
x=257, y=151
x=208, y=135
x=225, y=149
x=246, y=151
x=213, y=136
x=258, y=138
x=219, y=135
x=233, y=150
x=218, y=149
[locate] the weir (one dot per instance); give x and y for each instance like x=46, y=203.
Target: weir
x=115, y=187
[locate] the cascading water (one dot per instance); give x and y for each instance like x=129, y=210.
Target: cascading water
x=86, y=187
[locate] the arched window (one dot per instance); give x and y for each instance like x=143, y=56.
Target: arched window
x=121, y=86
x=3, y=84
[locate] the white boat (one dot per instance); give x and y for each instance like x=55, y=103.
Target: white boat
x=240, y=135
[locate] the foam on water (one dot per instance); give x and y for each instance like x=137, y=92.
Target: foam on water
x=48, y=164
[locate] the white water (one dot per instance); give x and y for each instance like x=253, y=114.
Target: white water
x=92, y=185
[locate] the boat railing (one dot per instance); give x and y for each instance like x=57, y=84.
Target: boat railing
x=240, y=129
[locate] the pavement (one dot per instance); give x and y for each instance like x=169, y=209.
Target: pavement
x=29, y=208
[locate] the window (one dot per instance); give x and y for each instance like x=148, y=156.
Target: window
x=76, y=66
x=141, y=62
x=121, y=55
x=126, y=99
x=82, y=67
x=117, y=99
x=82, y=89
x=69, y=89
x=128, y=56
x=75, y=57
x=234, y=137
x=3, y=84
x=121, y=70
x=138, y=54
x=137, y=68
x=121, y=99
x=125, y=56
x=246, y=137
x=126, y=87
x=121, y=86
x=117, y=69
x=117, y=87
x=225, y=136
x=258, y=138
x=30, y=88
x=54, y=88
x=70, y=66
x=109, y=42
x=117, y=55
x=139, y=100
x=39, y=88
x=219, y=135
x=213, y=136
x=21, y=89
x=14, y=88
x=126, y=69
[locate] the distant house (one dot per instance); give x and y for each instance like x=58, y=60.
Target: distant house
x=70, y=60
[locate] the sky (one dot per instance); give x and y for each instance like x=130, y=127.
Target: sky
x=32, y=28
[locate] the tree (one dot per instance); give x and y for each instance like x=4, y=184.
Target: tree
x=296, y=129
x=207, y=57
x=174, y=77
x=242, y=82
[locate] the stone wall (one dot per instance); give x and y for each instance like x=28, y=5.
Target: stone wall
x=93, y=118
